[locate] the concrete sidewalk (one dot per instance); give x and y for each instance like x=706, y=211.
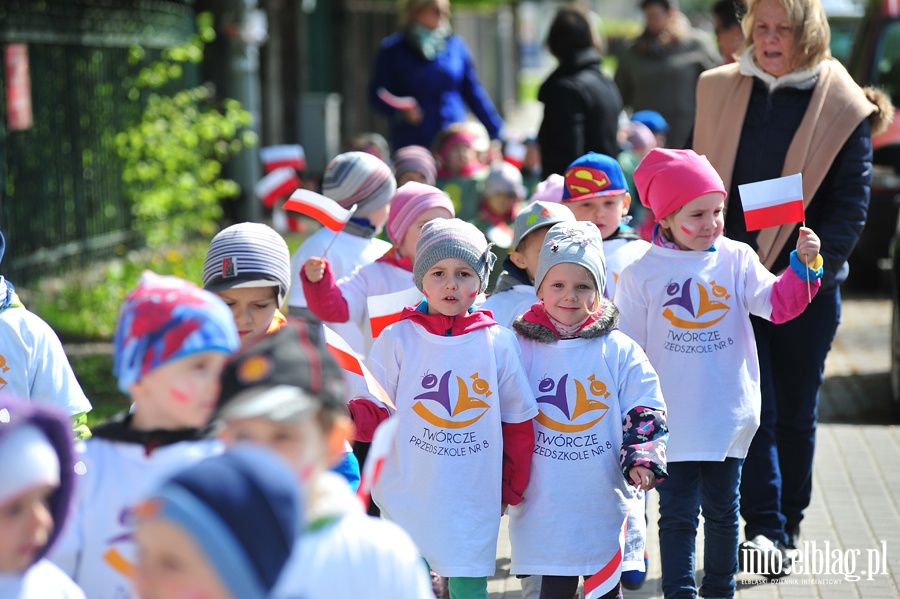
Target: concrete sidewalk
x=854, y=519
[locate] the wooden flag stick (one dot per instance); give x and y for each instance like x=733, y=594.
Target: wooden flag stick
x=808, y=290
x=330, y=243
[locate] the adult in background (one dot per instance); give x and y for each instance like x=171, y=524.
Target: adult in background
x=581, y=104
x=424, y=78
x=788, y=107
x=727, y=25
x=659, y=70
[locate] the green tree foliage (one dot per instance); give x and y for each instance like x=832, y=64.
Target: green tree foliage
x=173, y=155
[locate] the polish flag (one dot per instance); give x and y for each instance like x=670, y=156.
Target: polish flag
x=514, y=153
x=772, y=202
x=500, y=235
x=274, y=157
x=379, y=451
x=276, y=185
x=384, y=310
x=396, y=102
x=315, y=205
x=608, y=577
x=350, y=362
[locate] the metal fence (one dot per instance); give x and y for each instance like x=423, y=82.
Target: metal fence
x=61, y=194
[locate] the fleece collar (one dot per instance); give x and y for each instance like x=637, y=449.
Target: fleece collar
x=802, y=79
x=535, y=324
x=392, y=257
x=448, y=326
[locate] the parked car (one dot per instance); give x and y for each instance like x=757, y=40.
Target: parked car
x=875, y=60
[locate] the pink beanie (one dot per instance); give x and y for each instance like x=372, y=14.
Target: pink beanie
x=666, y=180
x=549, y=190
x=412, y=199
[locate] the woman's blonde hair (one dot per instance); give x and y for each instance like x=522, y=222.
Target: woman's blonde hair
x=411, y=7
x=812, y=35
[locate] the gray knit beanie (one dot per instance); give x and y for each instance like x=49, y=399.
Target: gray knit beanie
x=453, y=238
x=359, y=178
x=579, y=243
x=248, y=255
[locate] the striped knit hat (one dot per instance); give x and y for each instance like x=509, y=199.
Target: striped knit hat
x=453, y=238
x=416, y=159
x=359, y=178
x=412, y=200
x=248, y=255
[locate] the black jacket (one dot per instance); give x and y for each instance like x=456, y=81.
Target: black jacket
x=581, y=113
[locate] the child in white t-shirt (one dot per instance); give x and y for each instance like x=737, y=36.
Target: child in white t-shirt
x=339, y=300
x=172, y=341
x=592, y=383
x=350, y=178
x=33, y=363
x=687, y=302
x=514, y=293
x=464, y=438
x=595, y=190
x=36, y=483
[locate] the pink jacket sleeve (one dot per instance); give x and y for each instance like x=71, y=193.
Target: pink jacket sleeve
x=324, y=299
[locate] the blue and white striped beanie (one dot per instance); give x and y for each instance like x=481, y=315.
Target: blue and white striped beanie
x=244, y=511
x=248, y=255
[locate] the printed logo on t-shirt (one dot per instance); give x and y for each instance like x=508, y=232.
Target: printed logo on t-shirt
x=692, y=305
x=569, y=438
x=553, y=404
x=436, y=407
x=3, y=368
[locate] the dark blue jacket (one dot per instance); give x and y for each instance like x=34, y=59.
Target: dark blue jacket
x=837, y=213
x=446, y=88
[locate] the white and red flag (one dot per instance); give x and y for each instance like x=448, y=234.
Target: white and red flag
x=379, y=451
x=274, y=157
x=350, y=362
x=396, y=102
x=772, y=202
x=608, y=577
x=325, y=210
x=384, y=310
x=514, y=153
x=276, y=185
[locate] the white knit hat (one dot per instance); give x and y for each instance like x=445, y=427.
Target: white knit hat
x=27, y=460
x=248, y=255
x=579, y=243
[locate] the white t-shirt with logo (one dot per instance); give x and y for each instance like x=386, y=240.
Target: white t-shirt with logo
x=689, y=311
x=442, y=481
x=510, y=304
x=619, y=254
x=97, y=546
x=33, y=364
x=577, y=498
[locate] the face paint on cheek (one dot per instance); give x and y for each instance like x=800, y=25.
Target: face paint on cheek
x=687, y=230
x=178, y=396
x=473, y=294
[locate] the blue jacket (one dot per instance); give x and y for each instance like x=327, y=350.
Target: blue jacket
x=837, y=213
x=445, y=88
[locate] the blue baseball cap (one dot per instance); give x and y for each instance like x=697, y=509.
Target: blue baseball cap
x=652, y=120
x=592, y=176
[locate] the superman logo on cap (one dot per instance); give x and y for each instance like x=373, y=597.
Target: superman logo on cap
x=582, y=180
